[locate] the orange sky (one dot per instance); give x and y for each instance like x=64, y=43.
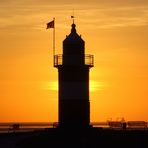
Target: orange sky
x=116, y=33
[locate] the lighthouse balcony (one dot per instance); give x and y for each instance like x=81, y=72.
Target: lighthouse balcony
x=73, y=60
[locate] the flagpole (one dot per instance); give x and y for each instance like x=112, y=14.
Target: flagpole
x=54, y=41
x=51, y=24
x=54, y=38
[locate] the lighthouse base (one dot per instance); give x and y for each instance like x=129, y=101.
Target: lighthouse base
x=74, y=113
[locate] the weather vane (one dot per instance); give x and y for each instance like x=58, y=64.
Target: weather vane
x=73, y=16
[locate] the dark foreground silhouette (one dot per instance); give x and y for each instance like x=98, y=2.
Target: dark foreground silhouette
x=76, y=138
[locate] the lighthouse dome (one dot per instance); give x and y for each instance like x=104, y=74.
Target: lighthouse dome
x=73, y=44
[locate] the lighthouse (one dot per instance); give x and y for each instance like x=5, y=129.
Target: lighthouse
x=73, y=82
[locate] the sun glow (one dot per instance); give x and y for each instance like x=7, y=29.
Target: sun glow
x=94, y=86
x=50, y=85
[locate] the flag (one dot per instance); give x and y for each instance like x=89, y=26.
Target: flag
x=50, y=25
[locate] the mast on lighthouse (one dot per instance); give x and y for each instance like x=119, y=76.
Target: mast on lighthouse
x=73, y=78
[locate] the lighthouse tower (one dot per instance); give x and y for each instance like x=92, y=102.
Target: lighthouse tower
x=73, y=76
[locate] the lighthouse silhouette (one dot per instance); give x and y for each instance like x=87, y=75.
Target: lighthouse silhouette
x=73, y=78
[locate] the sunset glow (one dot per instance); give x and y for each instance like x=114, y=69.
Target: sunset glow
x=94, y=86
x=114, y=32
